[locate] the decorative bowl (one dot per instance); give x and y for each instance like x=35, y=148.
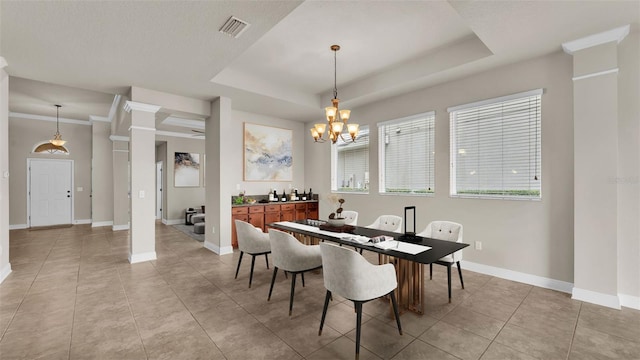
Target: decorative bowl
x=337, y=222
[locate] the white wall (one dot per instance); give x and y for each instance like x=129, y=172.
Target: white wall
x=5, y=266
x=101, y=176
x=532, y=237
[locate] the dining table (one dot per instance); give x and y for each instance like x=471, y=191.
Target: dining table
x=407, y=252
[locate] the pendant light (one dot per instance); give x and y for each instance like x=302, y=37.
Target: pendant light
x=57, y=138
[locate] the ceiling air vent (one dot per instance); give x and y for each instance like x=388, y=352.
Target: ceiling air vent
x=234, y=27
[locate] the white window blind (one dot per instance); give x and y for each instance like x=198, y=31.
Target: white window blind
x=496, y=147
x=406, y=155
x=350, y=163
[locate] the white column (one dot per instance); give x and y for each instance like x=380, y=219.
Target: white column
x=142, y=155
x=5, y=266
x=217, y=199
x=595, y=117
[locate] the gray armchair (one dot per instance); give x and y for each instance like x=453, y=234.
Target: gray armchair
x=252, y=241
x=449, y=231
x=348, y=274
x=293, y=257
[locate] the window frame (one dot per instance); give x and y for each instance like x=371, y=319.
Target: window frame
x=453, y=148
x=430, y=118
x=364, y=129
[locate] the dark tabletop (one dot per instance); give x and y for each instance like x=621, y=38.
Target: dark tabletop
x=439, y=248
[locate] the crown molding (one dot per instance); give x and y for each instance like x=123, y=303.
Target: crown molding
x=47, y=118
x=114, y=107
x=132, y=105
x=617, y=35
x=94, y=118
x=176, y=134
x=3, y=63
x=119, y=138
x=134, y=127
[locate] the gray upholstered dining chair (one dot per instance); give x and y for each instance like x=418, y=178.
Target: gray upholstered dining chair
x=350, y=217
x=387, y=223
x=252, y=241
x=293, y=257
x=348, y=274
x=449, y=231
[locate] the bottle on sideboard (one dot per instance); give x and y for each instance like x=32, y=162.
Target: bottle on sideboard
x=284, y=196
x=275, y=195
x=310, y=194
x=304, y=195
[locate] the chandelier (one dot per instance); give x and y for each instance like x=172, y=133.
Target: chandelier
x=336, y=119
x=57, y=138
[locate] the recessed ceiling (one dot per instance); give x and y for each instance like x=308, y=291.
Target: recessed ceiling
x=281, y=65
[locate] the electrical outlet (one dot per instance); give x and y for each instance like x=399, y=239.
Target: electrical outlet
x=213, y=229
x=478, y=245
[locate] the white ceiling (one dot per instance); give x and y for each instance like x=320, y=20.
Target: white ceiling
x=281, y=65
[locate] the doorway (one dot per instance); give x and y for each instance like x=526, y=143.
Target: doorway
x=159, y=190
x=50, y=192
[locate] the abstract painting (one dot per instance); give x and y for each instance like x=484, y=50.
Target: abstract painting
x=186, y=170
x=267, y=153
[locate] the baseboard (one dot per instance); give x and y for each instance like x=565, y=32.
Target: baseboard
x=225, y=250
x=629, y=301
x=120, y=227
x=173, y=221
x=101, y=223
x=138, y=258
x=82, y=221
x=6, y=270
x=17, y=226
x=535, y=280
x=612, y=301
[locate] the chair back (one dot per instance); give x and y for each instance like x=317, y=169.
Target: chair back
x=350, y=217
x=348, y=274
x=387, y=223
x=445, y=230
x=289, y=254
x=251, y=239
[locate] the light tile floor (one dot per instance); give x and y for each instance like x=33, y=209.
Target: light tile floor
x=73, y=295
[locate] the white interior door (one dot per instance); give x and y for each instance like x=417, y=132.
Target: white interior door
x=159, y=190
x=50, y=192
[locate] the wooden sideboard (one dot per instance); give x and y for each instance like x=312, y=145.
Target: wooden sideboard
x=259, y=215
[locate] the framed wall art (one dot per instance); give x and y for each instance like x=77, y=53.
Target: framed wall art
x=186, y=170
x=267, y=153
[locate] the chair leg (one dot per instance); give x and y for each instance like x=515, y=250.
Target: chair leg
x=449, y=279
x=395, y=310
x=293, y=290
x=239, y=261
x=266, y=258
x=273, y=280
x=460, y=273
x=302, y=274
x=358, y=326
x=253, y=262
x=324, y=311
x=430, y=271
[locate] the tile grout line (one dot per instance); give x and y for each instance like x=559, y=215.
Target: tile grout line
x=27, y=292
x=135, y=323
x=75, y=299
x=505, y=324
x=575, y=328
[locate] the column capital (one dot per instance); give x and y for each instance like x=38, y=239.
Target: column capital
x=617, y=35
x=132, y=105
x=3, y=63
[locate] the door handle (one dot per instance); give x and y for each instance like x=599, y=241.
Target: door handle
x=68, y=195
x=68, y=191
